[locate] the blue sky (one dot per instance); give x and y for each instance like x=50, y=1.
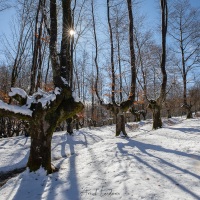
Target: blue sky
x=149, y=8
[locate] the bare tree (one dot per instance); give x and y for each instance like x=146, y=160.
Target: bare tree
x=18, y=50
x=156, y=105
x=117, y=109
x=184, y=30
x=44, y=111
x=40, y=41
x=4, y=4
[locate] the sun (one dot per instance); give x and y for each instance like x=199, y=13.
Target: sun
x=72, y=32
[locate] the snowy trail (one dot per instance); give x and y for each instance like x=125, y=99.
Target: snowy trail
x=161, y=164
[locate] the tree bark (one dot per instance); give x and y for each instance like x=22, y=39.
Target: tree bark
x=65, y=54
x=188, y=109
x=112, y=53
x=132, y=52
x=156, y=116
x=69, y=126
x=189, y=114
x=169, y=114
x=120, y=125
x=157, y=122
x=156, y=105
x=43, y=119
x=40, y=151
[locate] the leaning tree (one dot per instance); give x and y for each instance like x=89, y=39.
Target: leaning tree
x=44, y=111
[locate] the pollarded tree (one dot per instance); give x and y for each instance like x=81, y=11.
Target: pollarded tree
x=117, y=109
x=156, y=105
x=184, y=30
x=44, y=111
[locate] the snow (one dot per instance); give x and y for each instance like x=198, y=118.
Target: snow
x=161, y=164
x=45, y=98
x=16, y=109
x=64, y=80
x=19, y=91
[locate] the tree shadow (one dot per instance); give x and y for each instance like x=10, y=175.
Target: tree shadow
x=187, y=130
x=34, y=190
x=4, y=142
x=83, y=139
x=73, y=191
x=12, y=165
x=143, y=147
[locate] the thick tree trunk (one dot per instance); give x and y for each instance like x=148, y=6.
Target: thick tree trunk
x=157, y=122
x=120, y=125
x=188, y=109
x=40, y=151
x=156, y=116
x=156, y=105
x=189, y=114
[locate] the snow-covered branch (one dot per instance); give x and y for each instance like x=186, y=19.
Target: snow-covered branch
x=26, y=103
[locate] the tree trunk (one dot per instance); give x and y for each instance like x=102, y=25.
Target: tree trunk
x=143, y=113
x=169, y=113
x=189, y=114
x=132, y=52
x=40, y=151
x=188, y=109
x=111, y=53
x=136, y=114
x=156, y=105
x=77, y=124
x=69, y=126
x=120, y=125
x=137, y=117
x=157, y=122
x=155, y=109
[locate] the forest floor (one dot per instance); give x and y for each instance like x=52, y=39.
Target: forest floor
x=93, y=164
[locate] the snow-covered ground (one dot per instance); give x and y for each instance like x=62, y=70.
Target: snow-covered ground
x=159, y=164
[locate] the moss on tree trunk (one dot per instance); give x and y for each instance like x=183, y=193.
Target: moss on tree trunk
x=40, y=152
x=41, y=131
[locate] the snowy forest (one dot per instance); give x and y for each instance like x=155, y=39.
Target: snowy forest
x=97, y=70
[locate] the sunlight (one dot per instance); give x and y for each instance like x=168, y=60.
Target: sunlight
x=72, y=32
